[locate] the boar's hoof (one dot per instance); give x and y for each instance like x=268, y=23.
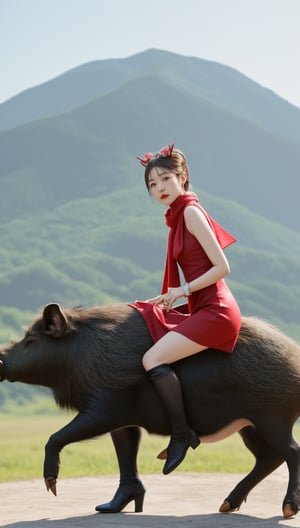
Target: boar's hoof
x=289, y=511
x=162, y=455
x=51, y=484
x=226, y=507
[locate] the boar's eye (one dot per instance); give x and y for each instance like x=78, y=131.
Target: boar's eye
x=29, y=339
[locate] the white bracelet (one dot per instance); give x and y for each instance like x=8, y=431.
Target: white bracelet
x=186, y=289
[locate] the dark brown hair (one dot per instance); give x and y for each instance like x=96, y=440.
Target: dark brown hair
x=175, y=163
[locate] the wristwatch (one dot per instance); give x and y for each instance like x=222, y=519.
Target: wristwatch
x=186, y=289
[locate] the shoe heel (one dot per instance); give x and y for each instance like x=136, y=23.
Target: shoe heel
x=139, y=501
x=195, y=441
x=123, y=496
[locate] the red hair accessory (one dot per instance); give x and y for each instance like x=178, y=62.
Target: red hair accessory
x=166, y=152
x=145, y=160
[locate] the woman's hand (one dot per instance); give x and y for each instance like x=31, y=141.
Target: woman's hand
x=167, y=299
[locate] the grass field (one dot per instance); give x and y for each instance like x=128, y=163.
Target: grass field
x=23, y=438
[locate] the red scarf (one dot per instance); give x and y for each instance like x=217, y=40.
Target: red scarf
x=175, y=220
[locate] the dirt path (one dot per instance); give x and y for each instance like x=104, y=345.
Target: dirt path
x=175, y=501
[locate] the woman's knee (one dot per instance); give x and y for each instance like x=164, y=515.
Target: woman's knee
x=148, y=362
x=151, y=359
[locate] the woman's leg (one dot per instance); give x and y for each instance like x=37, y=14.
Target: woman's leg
x=170, y=348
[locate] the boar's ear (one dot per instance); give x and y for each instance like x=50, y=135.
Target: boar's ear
x=55, y=322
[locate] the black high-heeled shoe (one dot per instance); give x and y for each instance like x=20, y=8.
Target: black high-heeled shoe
x=177, y=449
x=168, y=388
x=124, y=494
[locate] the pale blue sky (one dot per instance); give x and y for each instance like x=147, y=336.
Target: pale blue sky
x=40, y=39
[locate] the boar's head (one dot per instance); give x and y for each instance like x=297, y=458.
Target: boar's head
x=40, y=356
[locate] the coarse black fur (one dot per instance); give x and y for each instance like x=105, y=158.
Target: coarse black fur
x=91, y=359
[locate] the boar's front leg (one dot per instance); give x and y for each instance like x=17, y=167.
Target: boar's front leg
x=90, y=422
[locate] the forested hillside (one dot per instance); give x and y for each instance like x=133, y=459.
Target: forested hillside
x=77, y=225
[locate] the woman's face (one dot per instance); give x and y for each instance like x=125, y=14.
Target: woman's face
x=165, y=186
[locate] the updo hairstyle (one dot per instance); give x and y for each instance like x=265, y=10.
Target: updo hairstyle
x=175, y=163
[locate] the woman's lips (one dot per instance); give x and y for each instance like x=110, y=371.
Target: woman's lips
x=164, y=196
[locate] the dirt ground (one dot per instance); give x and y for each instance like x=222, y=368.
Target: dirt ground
x=173, y=501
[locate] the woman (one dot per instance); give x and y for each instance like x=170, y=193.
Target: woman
x=196, y=244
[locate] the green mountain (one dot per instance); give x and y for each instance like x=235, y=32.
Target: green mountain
x=92, y=149
x=214, y=82
x=77, y=225
x=112, y=247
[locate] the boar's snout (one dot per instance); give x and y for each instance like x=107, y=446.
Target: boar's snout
x=1, y=370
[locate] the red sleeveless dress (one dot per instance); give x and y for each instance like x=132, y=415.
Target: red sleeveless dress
x=212, y=317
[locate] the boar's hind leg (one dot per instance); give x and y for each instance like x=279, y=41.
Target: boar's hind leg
x=279, y=436
x=267, y=460
x=126, y=442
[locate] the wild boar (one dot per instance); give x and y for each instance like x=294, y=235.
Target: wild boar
x=91, y=359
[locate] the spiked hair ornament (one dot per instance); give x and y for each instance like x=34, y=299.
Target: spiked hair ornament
x=164, y=152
